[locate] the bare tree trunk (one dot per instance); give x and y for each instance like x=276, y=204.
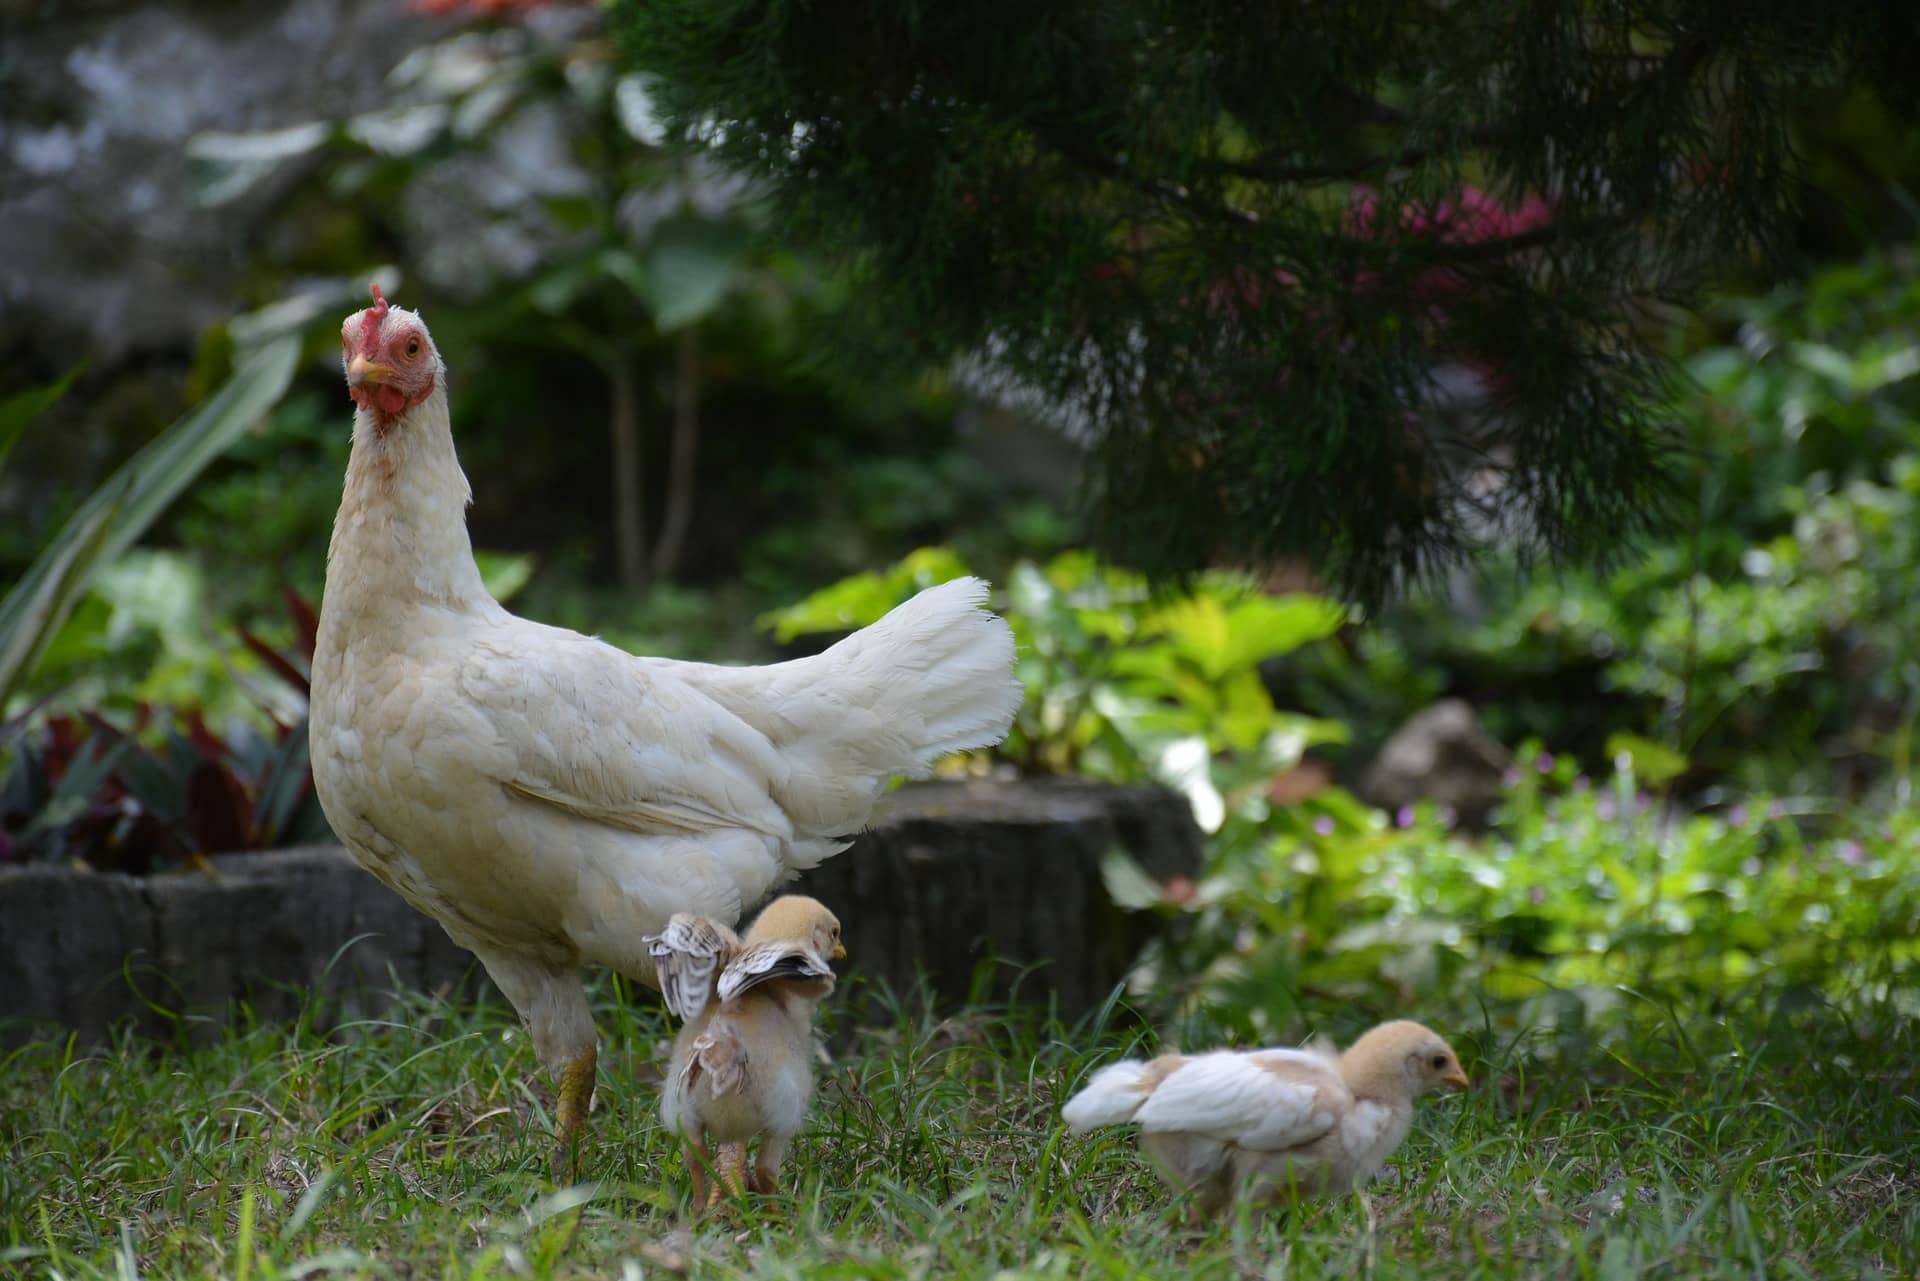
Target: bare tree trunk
x=686, y=437
x=629, y=513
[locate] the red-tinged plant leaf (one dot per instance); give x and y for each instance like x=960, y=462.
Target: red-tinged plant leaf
x=63, y=741
x=272, y=657
x=306, y=622
x=286, y=781
x=147, y=845
x=219, y=811
x=209, y=744
x=148, y=778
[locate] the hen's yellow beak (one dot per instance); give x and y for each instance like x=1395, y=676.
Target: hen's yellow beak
x=839, y=951
x=363, y=371
x=1456, y=1078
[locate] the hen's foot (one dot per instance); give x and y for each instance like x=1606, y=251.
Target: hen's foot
x=570, y=1114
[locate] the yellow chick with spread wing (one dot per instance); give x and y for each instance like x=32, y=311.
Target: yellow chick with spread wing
x=743, y=1063
x=1271, y=1124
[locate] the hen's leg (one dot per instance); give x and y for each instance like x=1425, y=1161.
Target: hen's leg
x=553, y=1005
x=572, y=1109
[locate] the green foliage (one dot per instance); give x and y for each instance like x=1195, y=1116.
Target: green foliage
x=1122, y=683
x=169, y=789
x=860, y=600
x=1309, y=895
x=1581, y=906
x=18, y=411
x=116, y=515
x=1241, y=246
x=281, y=484
x=1774, y=640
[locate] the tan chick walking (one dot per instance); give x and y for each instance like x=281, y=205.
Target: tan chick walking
x=742, y=1065
x=550, y=799
x=1273, y=1124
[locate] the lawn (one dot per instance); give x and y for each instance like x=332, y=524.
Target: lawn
x=1770, y=1141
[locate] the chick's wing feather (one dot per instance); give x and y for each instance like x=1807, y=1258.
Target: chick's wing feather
x=615, y=740
x=1253, y=1101
x=687, y=956
x=765, y=962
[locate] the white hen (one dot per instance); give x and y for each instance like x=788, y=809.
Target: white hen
x=552, y=800
x=1275, y=1123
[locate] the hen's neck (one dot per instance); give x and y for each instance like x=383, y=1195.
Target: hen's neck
x=400, y=539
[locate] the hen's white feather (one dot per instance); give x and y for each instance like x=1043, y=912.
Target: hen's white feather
x=551, y=799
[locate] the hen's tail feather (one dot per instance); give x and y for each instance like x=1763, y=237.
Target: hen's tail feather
x=1112, y=1096
x=932, y=677
x=939, y=659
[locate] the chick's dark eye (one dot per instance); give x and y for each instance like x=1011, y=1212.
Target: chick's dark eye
x=1439, y=1060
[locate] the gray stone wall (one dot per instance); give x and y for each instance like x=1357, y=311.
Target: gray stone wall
x=955, y=874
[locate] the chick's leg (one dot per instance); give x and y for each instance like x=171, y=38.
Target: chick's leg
x=766, y=1167
x=553, y=1004
x=699, y=1157
x=729, y=1173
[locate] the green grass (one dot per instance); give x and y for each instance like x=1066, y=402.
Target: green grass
x=1779, y=1143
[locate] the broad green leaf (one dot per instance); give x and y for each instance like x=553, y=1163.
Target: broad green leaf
x=625, y=268
x=862, y=599
x=225, y=166
x=691, y=264
x=1247, y=711
x=1222, y=638
x=1651, y=762
x=1185, y=765
x=1822, y=359
x=20, y=409
x=282, y=786
x=554, y=291
x=34, y=610
x=114, y=517
x=503, y=574
x=401, y=131
x=1128, y=884
x=638, y=116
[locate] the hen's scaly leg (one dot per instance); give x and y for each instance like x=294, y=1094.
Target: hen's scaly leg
x=553, y=1004
x=572, y=1110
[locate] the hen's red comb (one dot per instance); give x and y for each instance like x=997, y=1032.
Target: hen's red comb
x=370, y=319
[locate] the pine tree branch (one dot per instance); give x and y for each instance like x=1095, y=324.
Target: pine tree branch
x=1270, y=167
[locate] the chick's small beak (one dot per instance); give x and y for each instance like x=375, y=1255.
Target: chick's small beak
x=839, y=951
x=1457, y=1078
x=362, y=371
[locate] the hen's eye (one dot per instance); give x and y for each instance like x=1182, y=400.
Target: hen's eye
x=1439, y=1061
x=413, y=346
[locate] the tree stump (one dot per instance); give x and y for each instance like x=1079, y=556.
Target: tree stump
x=961, y=874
